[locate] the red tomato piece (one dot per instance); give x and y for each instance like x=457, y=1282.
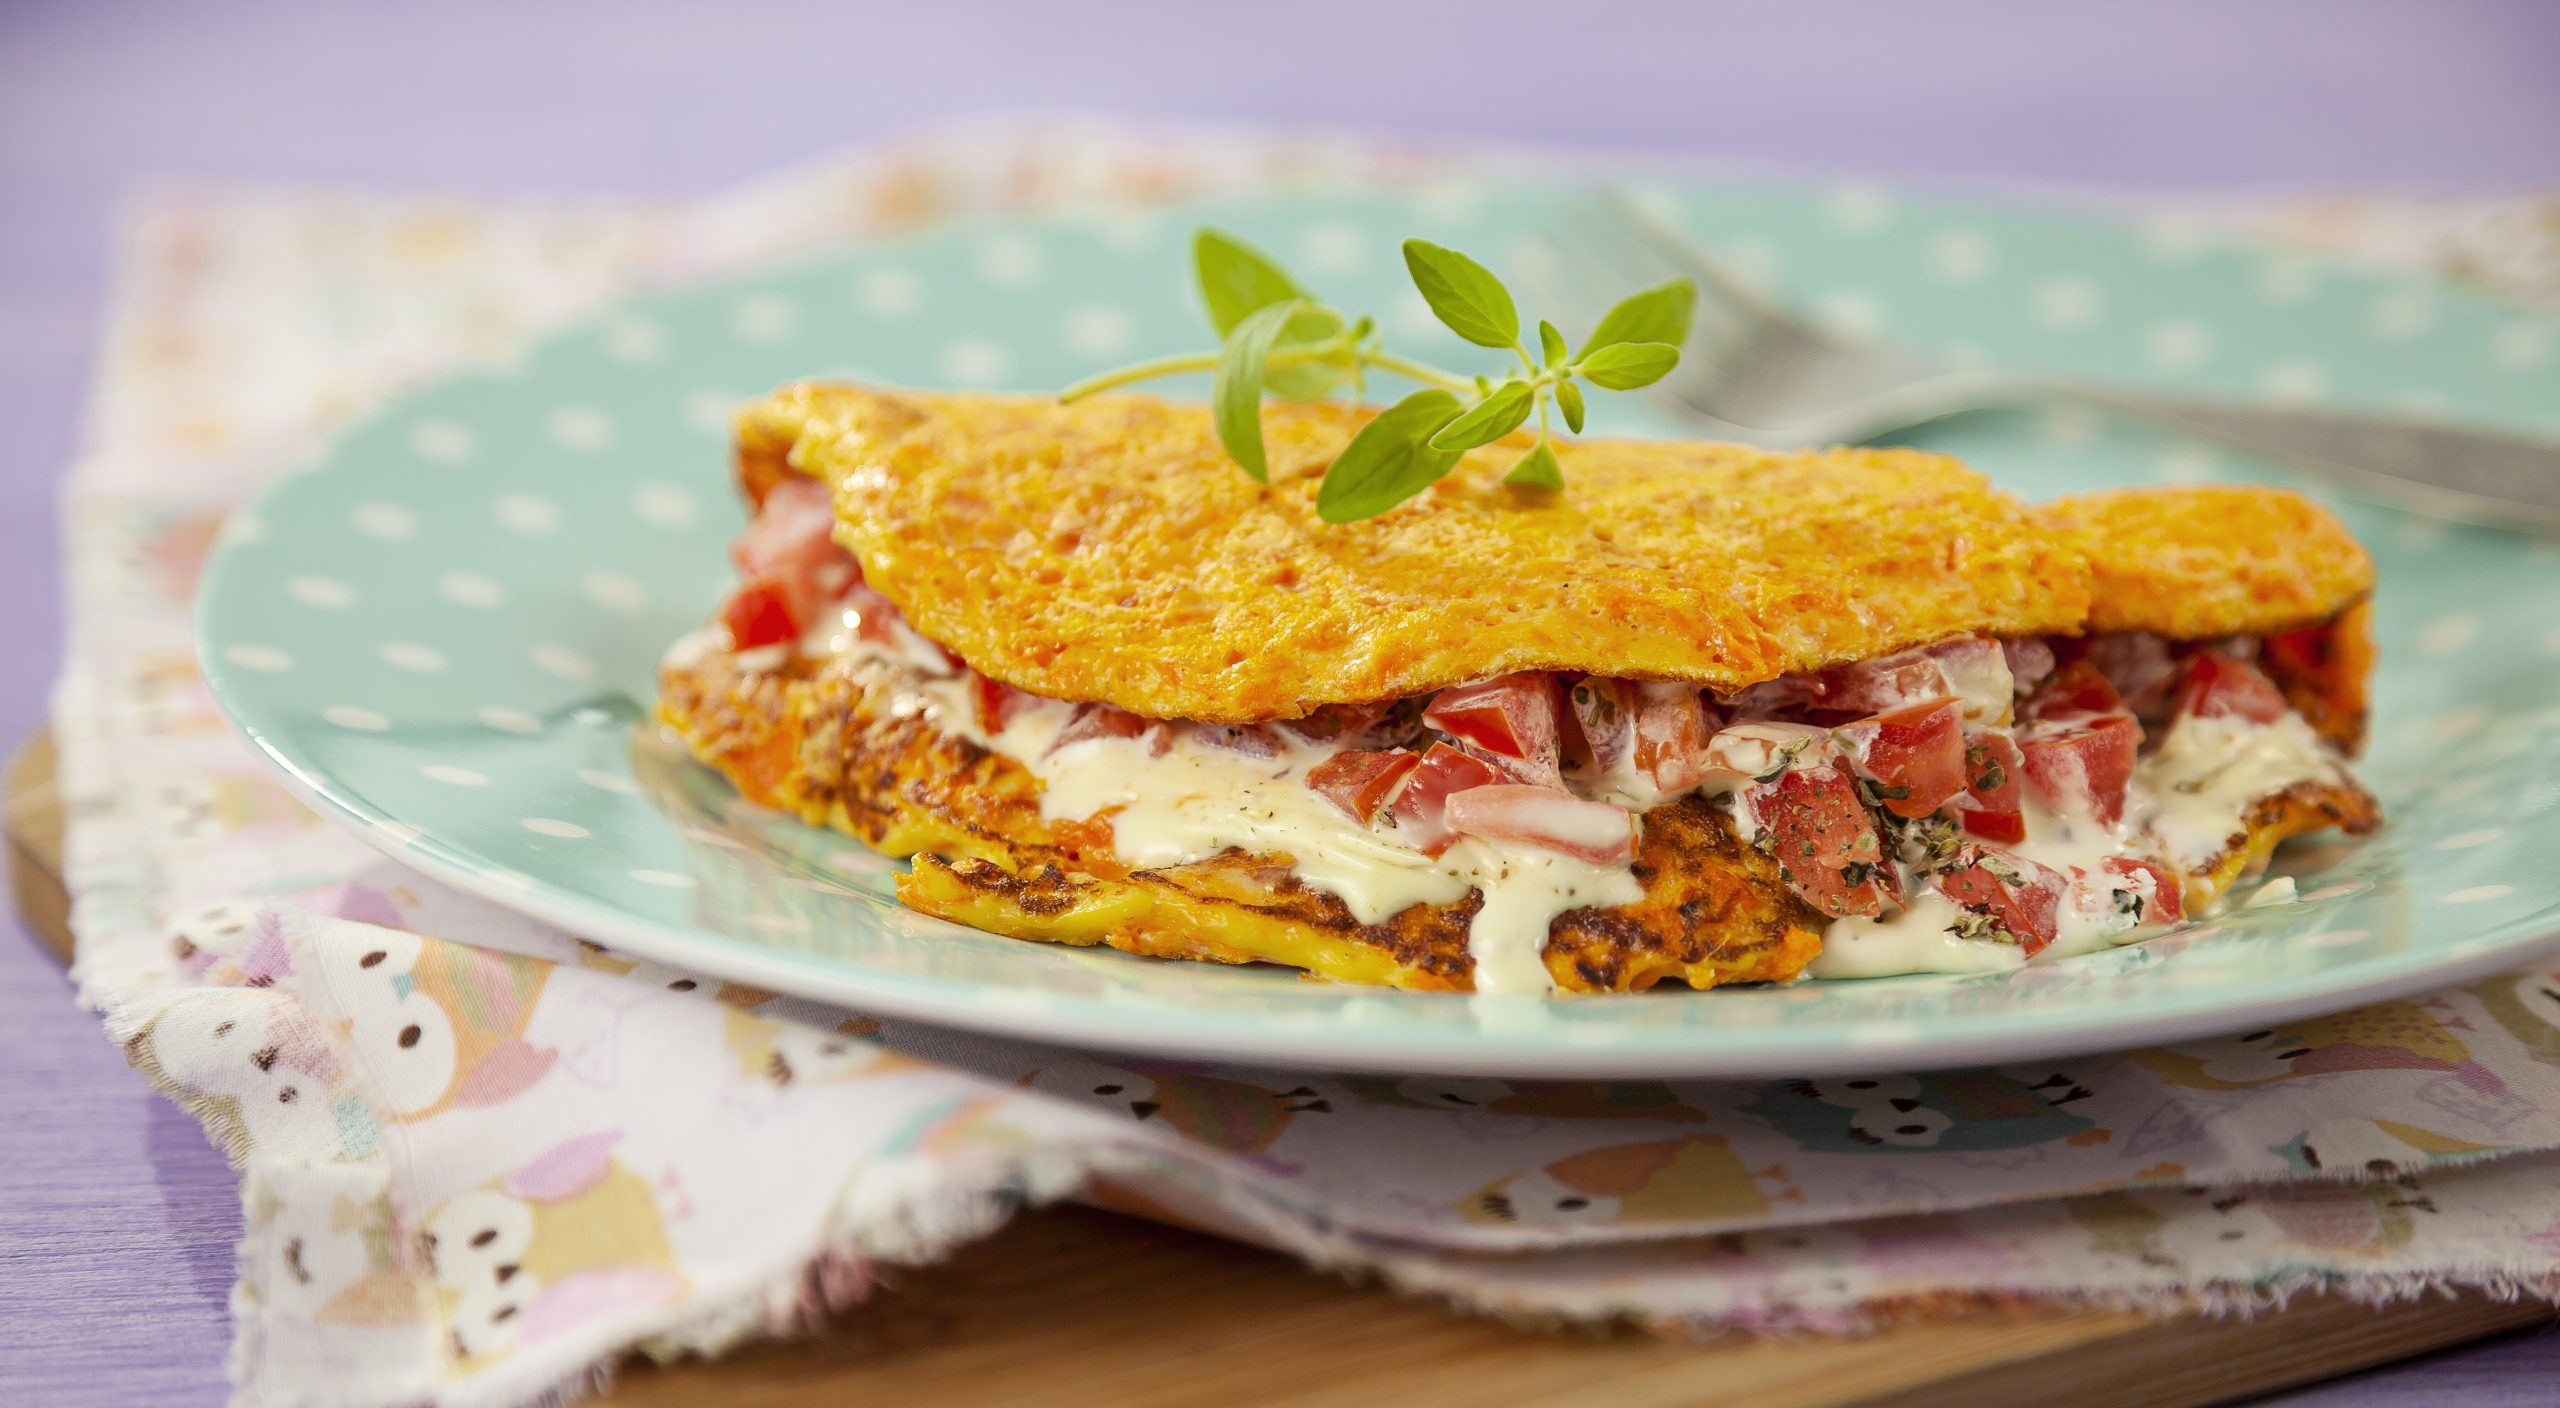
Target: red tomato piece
x=2023, y=898
x=1993, y=806
x=2161, y=900
x=1420, y=810
x=1916, y=754
x=1103, y=721
x=2082, y=763
x=998, y=703
x=2216, y=688
x=792, y=544
x=1360, y=782
x=1511, y=718
x=759, y=614
x=1823, y=839
x=2077, y=688
x=1599, y=722
x=1544, y=817
x=1671, y=731
x=1975, y=669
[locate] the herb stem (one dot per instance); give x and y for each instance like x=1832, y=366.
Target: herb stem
x=1417, y=371
x=1141, y=371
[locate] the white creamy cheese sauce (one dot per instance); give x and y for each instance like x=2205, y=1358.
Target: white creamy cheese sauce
x=1192, y=800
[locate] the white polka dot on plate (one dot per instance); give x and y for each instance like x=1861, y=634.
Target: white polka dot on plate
x=1099, y=331
x=2551, y=641
x=2465, y=840
x=454, y=776
x=1010, y=261
x=615, y=592
x=2175, y=237
x=361, y=720
x=470, y=589
x=506, y=720
x=763, y=318
x=265, y=659
x=390, y=523
x=667, y=878
x=2068, y=425
x=2401, y=314
x=2187, y=464
x=1961, y=257
x=975, y=361
x=1448, y=198
x=608, y=781
x=1333, y=247
x=665, y=505
x=552, y=826
x=1754, y=259
x=442, y=441
x=530, y=514
x=710, y=411
x=634, y=340
x=411, y=656
x=1858, y=209
x=326, y=593
x=2518, y=346
x=561, y=661
x=242, y=528
x=581, y=428
x=2178, y=344
x=2474, y=894
x=889, y=293
x=2447, y=634
x=2293, y=382
x=2067, y=303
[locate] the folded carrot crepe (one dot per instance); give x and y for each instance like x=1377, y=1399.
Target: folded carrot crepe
x=1721, y=715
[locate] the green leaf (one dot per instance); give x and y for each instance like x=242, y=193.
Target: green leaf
x=1658, y=314
x=1389, y=461
x=1624, y=366
x=1537, y=469
x=1550, y=342
x=1309, y=381
x=1236, y=279
x=1235, y=395
x=1569, y=400
x=1488, y=420
x=1463, y=293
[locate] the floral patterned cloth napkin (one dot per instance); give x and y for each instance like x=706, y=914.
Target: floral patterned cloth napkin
x=481, y=1158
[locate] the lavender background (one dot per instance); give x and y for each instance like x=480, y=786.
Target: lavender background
x=116, y=1217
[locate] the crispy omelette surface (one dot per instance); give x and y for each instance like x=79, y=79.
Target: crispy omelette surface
x=1108, y=552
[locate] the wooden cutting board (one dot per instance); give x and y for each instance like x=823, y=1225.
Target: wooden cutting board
x=1075, y=1306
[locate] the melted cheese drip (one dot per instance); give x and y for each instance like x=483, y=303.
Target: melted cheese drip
x=1195, y=800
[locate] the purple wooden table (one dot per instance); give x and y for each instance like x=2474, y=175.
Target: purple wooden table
x=116, y=1217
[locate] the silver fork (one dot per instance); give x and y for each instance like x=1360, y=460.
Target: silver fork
x=1752, y=371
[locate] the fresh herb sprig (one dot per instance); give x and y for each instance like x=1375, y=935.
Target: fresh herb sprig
x=1276, y=339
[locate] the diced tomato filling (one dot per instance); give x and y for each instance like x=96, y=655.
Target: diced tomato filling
x=1420, y=809
x=1748, y=752
x=1335, y=723
x=791, y=544
x=1547, y=818
x=1671, y=730
x=757, y=615
x=1915, y=755
x=2021, y=897
x=2082, y=764
x=1510, y=719
x=1975, y=669
x=998, y=703
x=1599, y=723
x=2030, y=663
x=1091, y=721
x=2077, y=688
x=1360, y=782
x=2215, y=688
x=1993, y=806
x=1823, y=840
x=2139, y=666
x=2161, y=901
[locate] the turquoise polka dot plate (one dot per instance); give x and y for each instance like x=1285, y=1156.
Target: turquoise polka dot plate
x=443, y=631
